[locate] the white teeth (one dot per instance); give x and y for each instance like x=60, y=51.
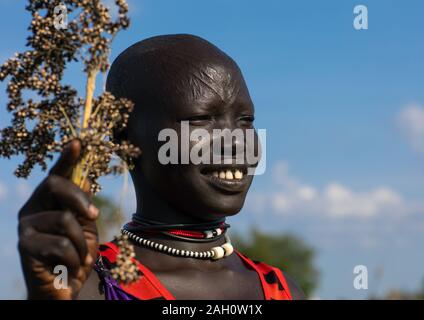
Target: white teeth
x=238, y=175
x=229, y=175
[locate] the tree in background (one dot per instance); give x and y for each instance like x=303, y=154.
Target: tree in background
x=110, y=220
x=402, y=294
x=284, y=251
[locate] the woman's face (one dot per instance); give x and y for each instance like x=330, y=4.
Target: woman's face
x=214, y=97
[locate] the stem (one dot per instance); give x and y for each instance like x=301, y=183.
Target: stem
x=71, y=127
x=78, y=176
x=91, y=83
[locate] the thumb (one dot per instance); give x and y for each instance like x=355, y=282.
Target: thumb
x=68, y=159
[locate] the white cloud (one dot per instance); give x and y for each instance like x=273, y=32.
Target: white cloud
x=281, y=202
x=334, y=200
x=307, y=193
x=411, y=121
x=340, y=201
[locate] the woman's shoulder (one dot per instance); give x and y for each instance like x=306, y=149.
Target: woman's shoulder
x=275, y=277
x=295, y=290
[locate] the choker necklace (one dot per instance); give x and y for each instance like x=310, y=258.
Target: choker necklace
x=151, y=224
x=126, y=268
x=199, y=232
x=214, y=253
x=180, y=234
x=196, y=236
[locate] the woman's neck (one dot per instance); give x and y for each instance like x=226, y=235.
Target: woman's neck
x=151, y=206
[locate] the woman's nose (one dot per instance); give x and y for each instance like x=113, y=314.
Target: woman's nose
x=228, y=140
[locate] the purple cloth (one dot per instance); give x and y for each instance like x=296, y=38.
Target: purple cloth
x=111, y=287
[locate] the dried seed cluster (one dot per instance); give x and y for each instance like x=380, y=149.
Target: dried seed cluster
x=53, y=113
x=126, y=270
x=109, y=115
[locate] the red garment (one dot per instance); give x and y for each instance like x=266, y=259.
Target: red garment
x=149, y=287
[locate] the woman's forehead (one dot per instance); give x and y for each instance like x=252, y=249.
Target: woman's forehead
x=212, y=84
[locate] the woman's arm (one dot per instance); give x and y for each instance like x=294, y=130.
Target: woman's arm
x=57, y=229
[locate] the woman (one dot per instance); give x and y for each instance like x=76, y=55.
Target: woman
x=182, y=250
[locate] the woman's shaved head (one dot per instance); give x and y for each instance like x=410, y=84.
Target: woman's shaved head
x=153, y=71
x=174, y=79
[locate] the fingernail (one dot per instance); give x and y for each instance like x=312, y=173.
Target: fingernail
x=88, y=259
x=93, y=211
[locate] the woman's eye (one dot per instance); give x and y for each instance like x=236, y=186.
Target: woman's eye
x=247, y=119
x=198, y=120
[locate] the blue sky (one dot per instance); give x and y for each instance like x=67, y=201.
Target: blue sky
x=344, y=114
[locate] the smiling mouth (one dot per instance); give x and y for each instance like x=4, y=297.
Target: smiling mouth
x=226, y=173
x=229, y=179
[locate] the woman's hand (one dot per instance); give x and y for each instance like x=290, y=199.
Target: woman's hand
x=57, y=227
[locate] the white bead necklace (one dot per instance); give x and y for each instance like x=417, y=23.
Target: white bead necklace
x=215, y=253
